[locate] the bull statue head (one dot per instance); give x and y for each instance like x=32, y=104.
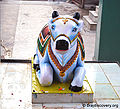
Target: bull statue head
x=64, y=31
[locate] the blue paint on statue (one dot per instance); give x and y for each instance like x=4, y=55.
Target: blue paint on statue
x=60, y=52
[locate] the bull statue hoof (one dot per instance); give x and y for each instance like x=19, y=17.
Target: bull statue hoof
x=60, y=52
x=75, y=88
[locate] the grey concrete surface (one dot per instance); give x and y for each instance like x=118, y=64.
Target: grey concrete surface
x=22, y=21
x=9, y=17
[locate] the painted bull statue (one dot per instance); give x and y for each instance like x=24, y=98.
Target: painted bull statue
x=60, y=52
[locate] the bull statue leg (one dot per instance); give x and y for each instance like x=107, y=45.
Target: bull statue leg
x=45, y=74
x=77, y=82
x=79, y=75
x=44, y=70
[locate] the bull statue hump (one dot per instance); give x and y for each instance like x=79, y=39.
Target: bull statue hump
x=60, y=52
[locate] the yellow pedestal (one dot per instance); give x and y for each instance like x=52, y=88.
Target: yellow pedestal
x=59, y=92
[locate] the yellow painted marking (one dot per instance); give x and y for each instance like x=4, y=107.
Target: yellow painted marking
x=65, y=20
x=49, y=83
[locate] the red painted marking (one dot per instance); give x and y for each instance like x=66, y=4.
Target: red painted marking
x=61, y=50
x=60, y=88
x=43, y=106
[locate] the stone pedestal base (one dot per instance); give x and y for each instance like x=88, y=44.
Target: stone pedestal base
x=59, y=92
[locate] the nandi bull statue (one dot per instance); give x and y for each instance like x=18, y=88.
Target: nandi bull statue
x=60, y=52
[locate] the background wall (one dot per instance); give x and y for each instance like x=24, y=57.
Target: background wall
x=107, y=45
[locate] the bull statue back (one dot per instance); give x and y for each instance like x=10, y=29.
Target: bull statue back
x=60, y=52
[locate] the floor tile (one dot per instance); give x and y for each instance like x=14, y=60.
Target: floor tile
x=3, y=67
x=19, y=72
x=92, y=71
x=110, y=68
x=114, y=78
x=67, y=108
x=53, y=105
x=97, y=77
x=104, y=91
x=91, y=67
x=117, y=89
x=13, y=104
x=79, y=106
x=53, y=108
x=91, y=76
x=37, y=106
x=16, y=87
x=108, y=104
x=13, y=67
x=101, y=78
x=0, y=103
x=91, y=79
x=112, y=71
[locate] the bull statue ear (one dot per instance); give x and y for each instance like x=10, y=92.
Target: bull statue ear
x=76, y=16
x=55, y=14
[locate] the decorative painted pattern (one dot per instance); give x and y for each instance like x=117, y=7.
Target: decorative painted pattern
x=67, y=65
x=65, y=19
x=63, y=35
x=42, y=48
x=43, y=39
x=80, y=40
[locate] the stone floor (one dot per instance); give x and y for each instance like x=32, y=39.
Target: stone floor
x=9, y=17
x=15, y=87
